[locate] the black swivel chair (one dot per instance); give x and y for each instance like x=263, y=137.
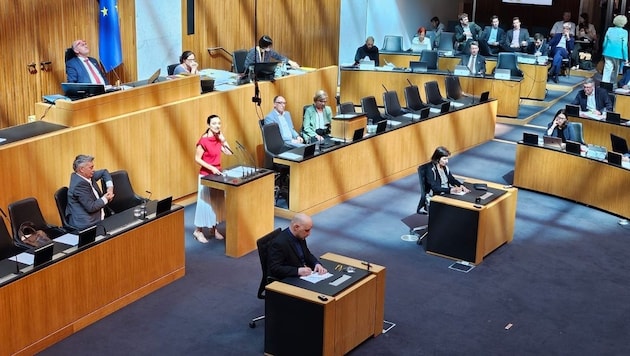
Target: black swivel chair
x=69, y=54
x=124, y=195
x=369, y=107
x=433, y=96
x=508, y=61
x=170, y=69
x=347, y=108
x=263, y=244
x=27, y=210
x=273, y=145
x=238, y=61
x=412, y=98
x=393, y=110
x=61, y=200
x=453, y=88
x=430, y=58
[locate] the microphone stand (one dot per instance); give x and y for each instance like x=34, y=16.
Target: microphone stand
x=256, y=98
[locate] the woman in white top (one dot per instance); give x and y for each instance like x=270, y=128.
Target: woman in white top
x=420, y=41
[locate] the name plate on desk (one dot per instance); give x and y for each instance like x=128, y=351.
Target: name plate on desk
x=503, y=74
x=461, y=72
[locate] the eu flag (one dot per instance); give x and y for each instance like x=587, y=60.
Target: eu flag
x=110, y=52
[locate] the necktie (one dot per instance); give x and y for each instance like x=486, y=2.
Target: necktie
x=471, y=65
x=92, y=71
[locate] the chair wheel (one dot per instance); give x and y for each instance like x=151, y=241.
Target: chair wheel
x=252, y=324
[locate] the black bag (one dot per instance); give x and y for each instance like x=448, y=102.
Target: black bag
x=32, y=237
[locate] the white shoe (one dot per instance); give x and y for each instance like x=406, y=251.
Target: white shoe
x=199, y=236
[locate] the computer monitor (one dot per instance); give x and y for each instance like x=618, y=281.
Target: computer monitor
x=613, y=117
x=484, y=97
x=424, y=113
x=265, y=70
x=43, y=254
x=619, y=144
x=530, y=138
x=358, y=134
x=381, y=126
x=614, y=158
x=87, y=236
x=309, y=151
x=418, y=67
x=163, y=206
x=572, y=110
x=82, y=90
x=445, y=107
x=573, y=147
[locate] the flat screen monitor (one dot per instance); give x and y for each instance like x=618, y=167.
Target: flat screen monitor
x=424, y=113
x=358, y=134
x=163, y=206
x=573, y=147
x=614, y=158
x=82, y=90
x=43, y=254
x=445, y=107
x=309, y=151
x=265, y=70
x=484, y=97
x=572, y=110
x=381, y=126
x=619, y=144
x=418, y=67
x=87, y=236
x=613, y=117
x=530, y=138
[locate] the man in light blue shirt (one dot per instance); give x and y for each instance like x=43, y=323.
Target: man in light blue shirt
x=491, y=38
x=283, y=118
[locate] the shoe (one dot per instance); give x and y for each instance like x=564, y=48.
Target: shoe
x=199, y=236
x=555, y=79
x=217, y=234
x=423, y=211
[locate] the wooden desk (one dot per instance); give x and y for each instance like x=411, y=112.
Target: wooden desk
x=534, y=82
x=598, y=132
x=622, y=105
x=594, y=183
x=347, y=171
x=97, y=108
x=248, y=209
x=51, y=303
x=331, y=327
x=478, y=231
x=356, y=84
x=344, y=128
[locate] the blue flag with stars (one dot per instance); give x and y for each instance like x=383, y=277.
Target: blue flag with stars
x=110, y=51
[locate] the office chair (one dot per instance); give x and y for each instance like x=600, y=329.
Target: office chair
x=69, y=54
x=170, y=69
x=612, y=98
x=369, y=107
x=124, y=195
x=453, y=87
x=263, y=244
x=273, y=145
x=392, y=44
x=430, y=58
x=347, y=108
x=433, y=95
x=393, y=109
x=576, y=127
x=446, y=42
x=27, y=210
x=7, y=246
x=238, y=61
x=412, y=98
x=61, y=200
x=508, y=61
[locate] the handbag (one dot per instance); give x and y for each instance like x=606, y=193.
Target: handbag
x=32, y=237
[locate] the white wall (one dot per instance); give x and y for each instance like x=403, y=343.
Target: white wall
x=158, y=35
x=377, y=18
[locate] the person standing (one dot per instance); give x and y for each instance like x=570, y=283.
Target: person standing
x=86, y=202
x=208, y=155
x=615, y=49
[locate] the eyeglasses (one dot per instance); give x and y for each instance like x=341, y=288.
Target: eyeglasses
x=323, y=101
x=190, y=59
x=281, y=102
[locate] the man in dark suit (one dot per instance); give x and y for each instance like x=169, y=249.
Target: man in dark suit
x=491, y=38
x=85, y=200
x=475, y=62
x=592, y=100
x=539, y=47
x=465, y=33
x=560, y=47
x=84, y=69
x=517, y=38
x=288, y=254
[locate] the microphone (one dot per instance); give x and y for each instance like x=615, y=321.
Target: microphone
x=409, y=81
x=228, y=148
x=249, y=156
x=384, y=87
x=367, y=264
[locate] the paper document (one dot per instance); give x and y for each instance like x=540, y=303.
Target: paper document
x=25, y=258
x=459, y=193
x=68, y=239
x=316, y=277
x=393, y=123
x=456, y=104
x=340, y=280
x=435, y=110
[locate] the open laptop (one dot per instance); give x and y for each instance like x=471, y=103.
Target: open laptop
x=613, y=117
x=614, y=158
x=163, y=206
x=572, y=110
x=358, y=133
x=418, y=67
x=299, y=153
x=484, y=97
x=87, y=236
x=619, y=144
x=552, y=142
x=573, y=147
x=530, y=138
x=152, y=79
x=380, y=127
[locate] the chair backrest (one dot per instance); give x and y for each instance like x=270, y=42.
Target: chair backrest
x=576, y=127
x=124, y=195
x=412, y=97
x=69, y=54
x=432, y=92
x=612, y=98
x=347, y=108
x=392, y=43
x=446, y=41
x=423, y=170
x=453, y=87
x=392, y=104
x=369, y=107
x=61, y=200
x=263, y=244
x=25, y=210
x=170, y=69
x=430, y=58
x=509, y=61
x=238, y=60
x=272, y=142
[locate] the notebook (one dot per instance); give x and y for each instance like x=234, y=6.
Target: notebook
x=573, y=147
x=552, y=142
x=613, y=117
x=572, y=110
x=418, y=67
x=530, y=138
x=614, y=158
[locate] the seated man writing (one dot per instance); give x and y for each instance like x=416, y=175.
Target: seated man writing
x=593, y=102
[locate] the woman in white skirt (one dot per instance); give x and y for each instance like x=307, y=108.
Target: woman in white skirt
x=208, y=155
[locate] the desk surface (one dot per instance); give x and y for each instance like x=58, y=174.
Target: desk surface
x=32, y=129
x=324, y=287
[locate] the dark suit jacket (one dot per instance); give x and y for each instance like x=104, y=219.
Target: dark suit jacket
x=553, y=43
x=485, y=35
x=475, y=30
x=523, y=35
x=76, y=72
x=602, y=101
x=84, y=208
x=434, y=181
x=544, y=48
x=480, y=63
x=283, y=259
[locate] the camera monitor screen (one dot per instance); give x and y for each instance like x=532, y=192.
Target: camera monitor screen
x=265, y=70
x=82, y=90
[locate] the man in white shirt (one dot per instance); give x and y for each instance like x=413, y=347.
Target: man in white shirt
x=283, y=118
x=558, y=25
x=84, y=69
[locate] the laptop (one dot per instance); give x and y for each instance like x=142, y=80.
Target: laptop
x=418, y=67
x=152, y=79
x=552, y=142
x=87, y=236
x=614, y=158
x=613, y=117
x=530, y=138
x=484, y=97
x=380, y=127
x=619, y=144
x=358, y=133
x=445, y=107
x=163, y=206
x=573, y=147
x=572, y=110
x=43, y=254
